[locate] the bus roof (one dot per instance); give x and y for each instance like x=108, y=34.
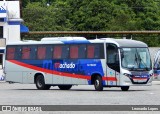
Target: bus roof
x=126, y=42
x=118, y=42
x=62, y=38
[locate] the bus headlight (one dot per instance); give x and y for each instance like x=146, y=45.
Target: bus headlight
x=128, y=75
x=151, y=74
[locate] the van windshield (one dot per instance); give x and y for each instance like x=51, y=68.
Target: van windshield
x=135, y=58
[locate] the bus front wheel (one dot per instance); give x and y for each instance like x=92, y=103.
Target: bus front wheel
x=40, y=83
x=124, y=88
x=98, y=83
x=65, y=87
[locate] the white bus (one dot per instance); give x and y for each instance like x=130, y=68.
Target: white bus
x=156, y=66
x=67, y=61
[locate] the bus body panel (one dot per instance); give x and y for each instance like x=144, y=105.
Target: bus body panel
x=113, y=77
x=54, y=72
x=73, y=71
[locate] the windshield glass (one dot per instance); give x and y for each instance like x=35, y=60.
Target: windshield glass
x=135, y=58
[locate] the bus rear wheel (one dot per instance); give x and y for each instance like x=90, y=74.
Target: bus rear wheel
x=98, y=84
x=124, y=88
x=65, y=87
x=40, y=83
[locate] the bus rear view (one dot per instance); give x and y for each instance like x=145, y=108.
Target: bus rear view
x=66, y=62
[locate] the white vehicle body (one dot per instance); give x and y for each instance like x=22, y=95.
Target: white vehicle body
x=63, y=62
x=156, y=66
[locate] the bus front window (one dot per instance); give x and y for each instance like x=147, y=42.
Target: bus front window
x=135, y=58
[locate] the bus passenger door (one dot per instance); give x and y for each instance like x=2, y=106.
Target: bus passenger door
x=113, y=65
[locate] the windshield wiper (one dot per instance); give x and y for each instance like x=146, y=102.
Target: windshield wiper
x=143, y=63
x=145, y=66
x=136, y=60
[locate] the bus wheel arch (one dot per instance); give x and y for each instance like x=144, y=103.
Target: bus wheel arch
x=36, y=75
x=40, y=82
x=96, y=80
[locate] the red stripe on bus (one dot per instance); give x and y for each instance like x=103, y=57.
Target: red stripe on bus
x=109, y=78
x=140, y=78
x=49, y=71
x=58, y=73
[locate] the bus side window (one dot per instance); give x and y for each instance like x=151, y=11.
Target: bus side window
x=101, y=51
x=112, y=52
x=41, y=52
x=33, y=50
x=49, y=52
x=65, y=52
x=18, y=53
x=90, y=51
x=95, y=51
x=57, y=53
x=112, y=57
x=82, y=51
x=10, y=53
x=26, y=52
x=74, y=51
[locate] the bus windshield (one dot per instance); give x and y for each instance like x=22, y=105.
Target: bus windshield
x=135, y=58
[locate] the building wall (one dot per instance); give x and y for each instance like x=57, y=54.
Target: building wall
x=10, y=21
x=10, y=11
x=13, y=33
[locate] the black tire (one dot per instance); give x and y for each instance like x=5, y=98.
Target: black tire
x=40, y=83
x=98, y=83
x=64, y=87
x=124, y=88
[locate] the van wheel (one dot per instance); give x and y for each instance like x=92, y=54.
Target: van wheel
x=65, y=87
x=98, y=84
x=124, y=88
x=40, y=83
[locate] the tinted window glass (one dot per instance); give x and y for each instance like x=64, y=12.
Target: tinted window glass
x=90, y=51
x=112, y=53
x=26, y=52
x=82, y=51
x=74, y=52
x=41, y=52
x=95, y=51
x=60, y=52
x=10, y=53
x=33, y=52
x=49, y=51
x=65, y=52
x=57, y=53
x=18, y=52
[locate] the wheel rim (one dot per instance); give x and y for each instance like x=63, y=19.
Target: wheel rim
x=39, y=83
x=97, y=83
